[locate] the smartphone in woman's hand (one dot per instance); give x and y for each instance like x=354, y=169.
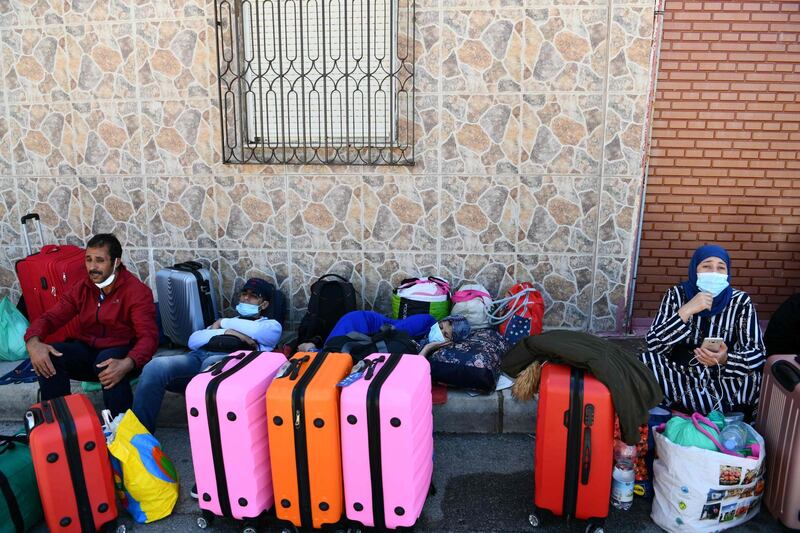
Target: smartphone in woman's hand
x=712, y=344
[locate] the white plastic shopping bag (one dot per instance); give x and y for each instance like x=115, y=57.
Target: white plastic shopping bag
x=704, y=490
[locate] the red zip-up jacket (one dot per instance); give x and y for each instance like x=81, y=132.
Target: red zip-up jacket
x=125, y=316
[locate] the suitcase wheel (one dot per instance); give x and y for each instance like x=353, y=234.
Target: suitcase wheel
x=205, y=520
x=534, y=520
x=112, y=527
x=248, y=527
x=594, y=528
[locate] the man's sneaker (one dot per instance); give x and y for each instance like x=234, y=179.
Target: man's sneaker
x=193, y=492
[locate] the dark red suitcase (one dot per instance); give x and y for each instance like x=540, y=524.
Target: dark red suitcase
x=71, y=462
x=46, y=275
x=574, y=446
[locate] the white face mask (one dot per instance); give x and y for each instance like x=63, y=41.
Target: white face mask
x=110, y=279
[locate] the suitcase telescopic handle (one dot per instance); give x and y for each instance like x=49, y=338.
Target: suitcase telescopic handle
x=24, y=221
x=786, y=375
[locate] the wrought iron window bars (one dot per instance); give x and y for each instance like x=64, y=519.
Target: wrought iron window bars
x=316, y=81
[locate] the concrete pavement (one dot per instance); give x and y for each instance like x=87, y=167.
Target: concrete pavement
x=484, y=484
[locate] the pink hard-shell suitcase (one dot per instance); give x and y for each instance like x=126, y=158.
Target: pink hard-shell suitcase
x=387, y=440
x=228, y=435
x=779, y=422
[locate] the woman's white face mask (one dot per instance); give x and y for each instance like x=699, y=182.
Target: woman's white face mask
x=712, y=282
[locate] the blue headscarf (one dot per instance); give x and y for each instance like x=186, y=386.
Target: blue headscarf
x=690, y=285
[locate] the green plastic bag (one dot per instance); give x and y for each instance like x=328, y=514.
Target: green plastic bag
x=94, y=386
x=12, y=332
x=684, y=430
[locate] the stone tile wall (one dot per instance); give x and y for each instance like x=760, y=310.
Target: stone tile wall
x=530, y=127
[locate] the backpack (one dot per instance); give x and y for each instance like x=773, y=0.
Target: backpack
x=472, y=302
x=276, y=310
x=330, y=299
x=417, y=296
x=520, y=314
x=388, y=340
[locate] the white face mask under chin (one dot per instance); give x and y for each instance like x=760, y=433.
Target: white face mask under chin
x=108, y=281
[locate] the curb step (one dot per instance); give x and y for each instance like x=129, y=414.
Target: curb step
x=497, y=412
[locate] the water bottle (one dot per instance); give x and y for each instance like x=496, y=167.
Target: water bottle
x=623, y=476
x=734, y=436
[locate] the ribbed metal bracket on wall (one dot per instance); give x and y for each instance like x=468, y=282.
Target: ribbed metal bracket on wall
x=655, y=52
x=322, y=82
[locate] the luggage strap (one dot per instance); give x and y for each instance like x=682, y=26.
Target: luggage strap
x=300, y=437
x=505, y=308
x=572, y=421
x=74, y=463
x=12, y=503
x=212, y=414
x=374, y=436
x=6, y=441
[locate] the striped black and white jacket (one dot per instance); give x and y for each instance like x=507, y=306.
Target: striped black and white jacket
x=699, y=388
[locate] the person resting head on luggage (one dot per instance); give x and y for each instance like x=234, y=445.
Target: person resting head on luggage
x=451, y=329
x=116, y=329
x=370, y=323
x=704, y=346
x=248, y=331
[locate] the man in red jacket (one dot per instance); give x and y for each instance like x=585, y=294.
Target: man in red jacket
x=117, y=329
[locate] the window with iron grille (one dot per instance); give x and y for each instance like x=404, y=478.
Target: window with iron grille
x=316, y=81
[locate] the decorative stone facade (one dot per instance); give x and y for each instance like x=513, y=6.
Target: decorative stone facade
x=530, y=129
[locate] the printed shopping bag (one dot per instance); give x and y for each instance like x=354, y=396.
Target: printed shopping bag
x=705, y=490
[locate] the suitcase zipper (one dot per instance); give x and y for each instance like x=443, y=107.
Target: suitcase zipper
x=212, y=414
x=73, y=453
x=300, y=443
x=374, y=436
x=575, y=416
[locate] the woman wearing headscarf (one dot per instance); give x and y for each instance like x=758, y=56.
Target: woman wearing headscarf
x=694, y=378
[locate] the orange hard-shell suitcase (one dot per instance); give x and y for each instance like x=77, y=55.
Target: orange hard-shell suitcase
x=304, y=439
x=73, y=471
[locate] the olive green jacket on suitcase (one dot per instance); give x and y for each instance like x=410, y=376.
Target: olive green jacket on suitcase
x=20, y=507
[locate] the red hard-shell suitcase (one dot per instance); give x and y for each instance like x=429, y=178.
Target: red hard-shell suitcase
x=574, y=445
x=779, y=422
x=71, y=462
x=46, y=275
